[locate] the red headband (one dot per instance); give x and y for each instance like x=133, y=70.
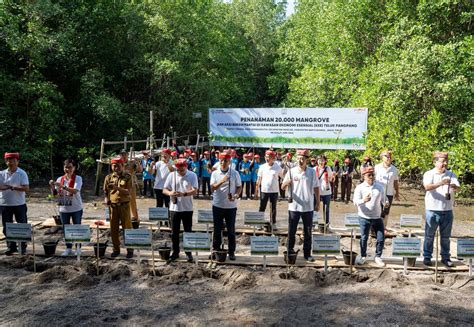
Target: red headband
x=14, y=155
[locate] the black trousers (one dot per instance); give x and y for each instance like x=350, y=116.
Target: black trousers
x=161, y=198
x=147, y=185
x=273, y=197
x=20, y=217
x=335, y=188
x=206, y=184
x=346, y=188
x=293, y=220
x=246, y=186
x=220, y=215
x=176, y=218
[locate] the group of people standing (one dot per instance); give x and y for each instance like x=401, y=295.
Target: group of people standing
x=309, y=184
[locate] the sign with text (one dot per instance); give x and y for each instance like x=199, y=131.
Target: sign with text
x=466, y=248
x=254, y=218
x=18, y=232
x=196, y=241
x=77, y=233
x=137, y=238
x=260, y=245
x=205, y=216
x=326, y=244
x=158, y=214
x=316, y=128
x=410, y=221
x=107, y=214
x=351, y=220
x=406, y=247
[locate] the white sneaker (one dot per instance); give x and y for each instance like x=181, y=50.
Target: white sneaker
x=360, y=260
x=66, y=252
x=78, y=251
x=379, y=262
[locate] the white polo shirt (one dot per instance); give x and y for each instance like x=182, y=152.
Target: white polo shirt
x=220, y=197
x=373, y=208
x=11, y=198
x=270, y=176
x=435, y=200
x=302, y=188
x=182, y=184
x=162, y=172
x=386, y=177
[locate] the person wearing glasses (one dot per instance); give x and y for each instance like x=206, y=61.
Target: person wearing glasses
x=67, y=190
x=369, y=198
x=226, y=186
x=387, y=175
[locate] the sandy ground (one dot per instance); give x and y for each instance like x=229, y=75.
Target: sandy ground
x=65, y=292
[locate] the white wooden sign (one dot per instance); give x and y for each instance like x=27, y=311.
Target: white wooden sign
x=406, y=247
x=260, y=245
x=466, y=248
x=158, y=214
x=18, y=232
x=351, y=220
x=196, y=241
x=77, y=233
x=326, y=244
x=254, y=218
x=137, y=238
x=410, y=221
x=205, y=216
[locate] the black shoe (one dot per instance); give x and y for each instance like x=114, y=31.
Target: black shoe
x=23, y=251
x=232, y=256
x=174, y=256
x=190, y=258
x=447, y=263
x=115, y=254
x=10, y=251
x=129, y=254
x=427, y=262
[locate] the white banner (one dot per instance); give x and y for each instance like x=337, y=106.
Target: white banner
x=410, y=221
x=326, y=244
x=137, y=238
x=196, y=241
x=158, y=214
x=254, y=218
x=406, y=247
x=351, y=220
x=77, y=233
x=313, y=128
x=18, y=232
x=205, y=216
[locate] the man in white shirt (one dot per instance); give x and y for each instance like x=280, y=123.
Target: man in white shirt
x=268, y=175
x=387, y=175
x=226, y=187
x=13, y=185
x=304, y=189
x=161, y=170
x=181, y=186
x=369, y=197
x=440, y=185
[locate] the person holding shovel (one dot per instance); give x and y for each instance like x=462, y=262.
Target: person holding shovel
x=440, y=185
x=303, y=200
x=268, y=175
x=369, y=196
x=67, y=190
x=117, y=189
x=161, y=170
x=181, y=186
x=14, y=184
x=226, y=187
x=387, y=175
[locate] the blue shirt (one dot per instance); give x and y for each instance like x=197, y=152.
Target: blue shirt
x=204, y=172
x=244, y=170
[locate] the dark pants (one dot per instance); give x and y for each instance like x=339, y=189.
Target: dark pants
x=162, y=199
x=148, y=185
x=377, y=225
x=66, y=220
x=293, y=220
x=325, y=200
x=282, y=191
x=346, y=188
x=176, y=218
x=273, y=202
x=219, y=215
x=335, y=187
x=206, y=184
x=252, y=188
x=246, y=186
x=20, y=217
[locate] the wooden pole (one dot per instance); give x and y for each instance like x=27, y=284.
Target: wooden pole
x=125, y=143
x=152, y=252
x=436, y=259
x=98, y=256
x=350, y=256
x=99, y=167
x=33, y=243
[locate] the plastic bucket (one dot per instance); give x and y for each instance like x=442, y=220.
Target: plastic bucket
x=321, y=228
x=57, y=220
x=410, y=261
x=164, y=252
x=50, y=248
x=291, y=258
x=347, y=257
x=221, y=255
x=102, y=248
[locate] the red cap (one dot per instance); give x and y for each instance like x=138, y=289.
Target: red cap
x=181, y=155
x=440, y=154
x=224, y=155
x=250, y=154
x=206, y=152
x=336, y=161
x=193, y=154
x=117, y=160
x=14, y=155
x=289, y=155
x=366, y=170
x=245, y=155
x=302, y=152
x=347, y=160
x=181, y=163
x=257, y=156
x=270, y=153
x=366, y=158
x=188, y=151
x=167, y=151
x=174, y=153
